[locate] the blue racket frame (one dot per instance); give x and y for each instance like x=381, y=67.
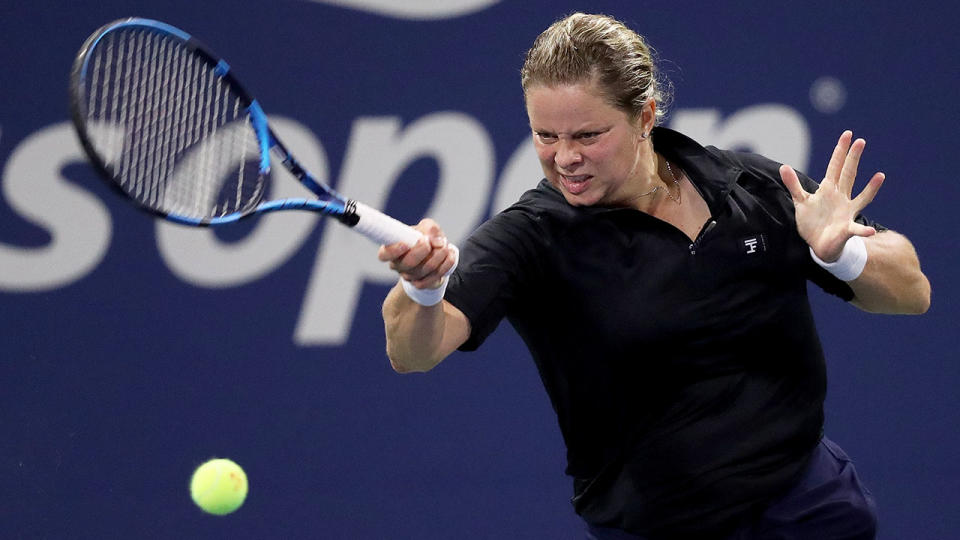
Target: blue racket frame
x=329, y=202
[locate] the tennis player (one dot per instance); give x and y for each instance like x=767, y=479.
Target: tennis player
x=661, y=288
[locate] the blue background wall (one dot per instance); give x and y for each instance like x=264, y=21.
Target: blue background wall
x=133, y=351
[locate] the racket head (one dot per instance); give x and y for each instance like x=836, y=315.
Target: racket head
x=165, y=120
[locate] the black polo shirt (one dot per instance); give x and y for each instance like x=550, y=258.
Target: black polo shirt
x=687, y=377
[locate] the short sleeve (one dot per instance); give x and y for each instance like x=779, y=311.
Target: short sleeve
x=498, y=264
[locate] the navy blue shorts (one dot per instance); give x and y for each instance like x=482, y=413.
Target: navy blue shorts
x=827, y=502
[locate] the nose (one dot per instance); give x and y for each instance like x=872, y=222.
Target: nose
x=567, y=155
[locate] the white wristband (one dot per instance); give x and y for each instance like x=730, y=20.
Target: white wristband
x=425, y=297
x=431, y=297
x=851, y=262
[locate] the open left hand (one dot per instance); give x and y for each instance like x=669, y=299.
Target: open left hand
x=825, y=218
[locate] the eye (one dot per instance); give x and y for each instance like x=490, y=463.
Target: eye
x=588, y=137
x=546, y=137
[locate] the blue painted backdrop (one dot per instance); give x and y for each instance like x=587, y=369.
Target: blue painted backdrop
x=133, y=351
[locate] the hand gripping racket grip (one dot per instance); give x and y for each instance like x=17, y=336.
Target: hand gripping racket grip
x=382, y=228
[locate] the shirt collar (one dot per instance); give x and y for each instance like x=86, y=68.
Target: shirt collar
x=712, y=176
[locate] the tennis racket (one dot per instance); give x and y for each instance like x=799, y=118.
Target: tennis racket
x=166, y=122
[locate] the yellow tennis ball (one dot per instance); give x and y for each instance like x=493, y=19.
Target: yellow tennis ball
x=219, y=486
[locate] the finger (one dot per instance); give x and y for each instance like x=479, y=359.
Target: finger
x=857, y=229
x=866, y=196
x=433, y=258
x=792, y=181
x=414, y=256
x=430, y=274
x=431, y=265
x=391, y=252
x=848, y=174
x=438, y=241
x=446, y=261
x=453, y=259
x=838, y=156
x=429, y=228
x=432, y=232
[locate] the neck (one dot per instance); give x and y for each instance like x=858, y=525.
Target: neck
x=660, y=188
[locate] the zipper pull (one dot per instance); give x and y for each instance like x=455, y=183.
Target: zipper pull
x=710, y=226
x=703, y=233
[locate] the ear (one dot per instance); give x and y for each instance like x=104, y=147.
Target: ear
x=648, y=116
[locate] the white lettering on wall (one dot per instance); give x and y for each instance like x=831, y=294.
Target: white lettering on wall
x=377, y=153
x=522, y=172
x=415, y=9
x=197, y=256
x=775, y=131
x=78, y=222
x=379, y=150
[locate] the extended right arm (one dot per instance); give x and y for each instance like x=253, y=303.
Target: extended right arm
x=420, y=337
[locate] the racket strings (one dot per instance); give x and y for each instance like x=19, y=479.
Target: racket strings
x=174, y=136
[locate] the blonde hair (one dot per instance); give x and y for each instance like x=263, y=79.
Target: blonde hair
x=583, y=47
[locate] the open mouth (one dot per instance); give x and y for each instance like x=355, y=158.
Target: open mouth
x=577, y=184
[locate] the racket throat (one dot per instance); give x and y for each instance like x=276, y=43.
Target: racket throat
x=349, y=216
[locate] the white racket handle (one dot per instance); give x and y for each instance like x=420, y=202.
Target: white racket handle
x=382, y=228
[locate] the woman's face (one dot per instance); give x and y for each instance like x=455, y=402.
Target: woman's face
x=589, y=150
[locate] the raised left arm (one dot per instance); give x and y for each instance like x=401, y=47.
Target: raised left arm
x=891, y=280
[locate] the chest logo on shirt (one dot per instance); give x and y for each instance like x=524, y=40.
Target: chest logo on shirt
x=754, y=244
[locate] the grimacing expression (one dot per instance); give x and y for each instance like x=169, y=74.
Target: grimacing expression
x=589, y=150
